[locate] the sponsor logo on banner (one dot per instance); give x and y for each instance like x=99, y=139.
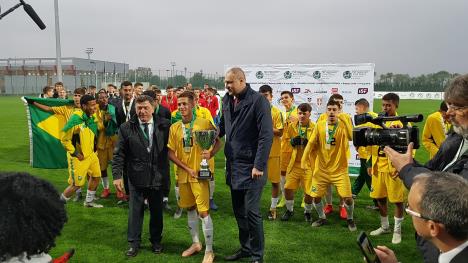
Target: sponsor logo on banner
x=316, y=74
x=259, y=75
x=295, y=90
x=420, y=95
x=411, y=95
x=347, y=74
x=363, y=90
x=309, y=99
x=320, y=92
x=287, y=74
x=437, y=96
x=334, y=90
x=428, y=95
x=307, y=91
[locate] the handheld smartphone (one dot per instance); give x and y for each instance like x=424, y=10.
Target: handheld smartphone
x=366, y=248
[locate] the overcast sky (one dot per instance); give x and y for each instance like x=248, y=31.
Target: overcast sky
x=415, y=37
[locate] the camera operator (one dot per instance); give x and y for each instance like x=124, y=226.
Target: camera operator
x=385, y=183
x=452, y=155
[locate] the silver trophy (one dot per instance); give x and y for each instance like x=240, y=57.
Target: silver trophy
x=205, y=139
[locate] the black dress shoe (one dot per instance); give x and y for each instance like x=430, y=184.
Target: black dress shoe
x=238, y=255
x=132, y=252
x=156, y=248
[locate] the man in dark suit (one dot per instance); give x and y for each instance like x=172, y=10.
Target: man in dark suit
x=125, y=107
x=438, y=204
x=162, y=112
x=142, y=152
x=246, y=122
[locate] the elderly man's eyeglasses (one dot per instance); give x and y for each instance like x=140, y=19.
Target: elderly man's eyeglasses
x=456, y=108
x=416, y=214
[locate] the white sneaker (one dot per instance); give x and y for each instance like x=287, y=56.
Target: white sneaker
x=178, y=213
x=92, y=204
x=379, y=231
x=396, y=239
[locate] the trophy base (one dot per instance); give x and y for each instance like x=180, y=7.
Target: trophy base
x=204, y=175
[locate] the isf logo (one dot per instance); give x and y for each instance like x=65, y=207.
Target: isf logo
x=259, y=75
x=287, y=74
x=347, y=74
x=295, y=90
x=362, y=90
x=316, y=74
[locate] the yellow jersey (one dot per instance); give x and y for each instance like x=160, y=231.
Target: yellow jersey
x=83, y=130
x=277, y=119
x=66, y=110
x=434, y=133
x=192, y=158
x=285, y=140
x=330, y=145
x=298, y=151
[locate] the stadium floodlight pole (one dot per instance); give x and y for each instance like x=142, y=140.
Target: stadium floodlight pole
x=58, y=48
x=173, y=64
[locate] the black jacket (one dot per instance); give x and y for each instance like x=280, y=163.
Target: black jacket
x=164, y=112
x=120, y=113
x=249, y=134
x=444, y=156
x=144, y=169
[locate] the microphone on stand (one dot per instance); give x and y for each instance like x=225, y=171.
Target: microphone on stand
x=30, y=11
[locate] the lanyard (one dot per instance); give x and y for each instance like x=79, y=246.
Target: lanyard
x=157, y=109
x=187, y=132
x=329, y=135
x=301, y=133
x=288, y=113
x=127, y=113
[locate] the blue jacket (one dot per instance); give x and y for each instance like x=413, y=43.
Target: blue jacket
x=249, y=135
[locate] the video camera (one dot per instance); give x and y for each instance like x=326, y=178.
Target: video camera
x=396, y=138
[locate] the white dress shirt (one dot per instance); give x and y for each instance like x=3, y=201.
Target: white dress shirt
x=150, y=131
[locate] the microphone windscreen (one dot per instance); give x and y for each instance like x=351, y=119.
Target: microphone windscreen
x=30, y=11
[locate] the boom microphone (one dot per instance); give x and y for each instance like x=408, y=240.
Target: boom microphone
x=30, y=11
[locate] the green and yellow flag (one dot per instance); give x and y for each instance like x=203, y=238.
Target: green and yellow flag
x=45, y=130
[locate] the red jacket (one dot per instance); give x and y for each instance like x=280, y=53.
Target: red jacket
x=171, y=105
x=212, y=104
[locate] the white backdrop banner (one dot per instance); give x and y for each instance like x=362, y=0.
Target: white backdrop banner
x=314, y=84
x=412, y=95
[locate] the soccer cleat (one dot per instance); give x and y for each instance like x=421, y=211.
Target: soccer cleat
x=343, y=213
x=213, y=206
x=282, y=202
x=92, y=204
x=320, y=222
x=192, y=250
x=209, y=257
x=351, y=225
x=380, y=231
x=105, y=193
x=396, y=239
x=328, y=209
x=178, y=213
x=373, y=207
x=272, y=214
x=78, y=197
x=287, y=215
x=308, y=217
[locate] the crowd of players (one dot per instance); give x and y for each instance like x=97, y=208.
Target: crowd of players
x=305, y=154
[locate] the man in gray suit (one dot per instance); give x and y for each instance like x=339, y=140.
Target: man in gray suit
x=246, y=122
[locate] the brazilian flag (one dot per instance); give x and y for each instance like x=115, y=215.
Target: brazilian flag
x=45, y=130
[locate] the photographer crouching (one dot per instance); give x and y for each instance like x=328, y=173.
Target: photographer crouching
x=452, y=156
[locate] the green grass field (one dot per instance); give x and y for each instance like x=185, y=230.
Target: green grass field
x=99, y=235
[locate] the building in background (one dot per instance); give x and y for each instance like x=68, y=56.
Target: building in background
x=30, y=75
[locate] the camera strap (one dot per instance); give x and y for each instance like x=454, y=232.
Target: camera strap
x=330, y=134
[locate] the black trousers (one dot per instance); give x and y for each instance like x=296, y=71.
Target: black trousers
x=246, y=206
x=363, y=178
x=136, y=213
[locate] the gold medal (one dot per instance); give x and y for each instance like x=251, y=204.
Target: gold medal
x=187, y=149
x=327, y=146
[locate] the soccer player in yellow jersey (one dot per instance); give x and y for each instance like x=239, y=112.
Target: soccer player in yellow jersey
x=299, y=132
x=66, y=112
x=78, y=141
x=330, y=144
x=274, y=171
x=203, y=113
x=385, y=181
x=362, y=106
x=290, y=115
x=435, y=130
x=106, y=139
x=187, y=155
x=329, y=196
